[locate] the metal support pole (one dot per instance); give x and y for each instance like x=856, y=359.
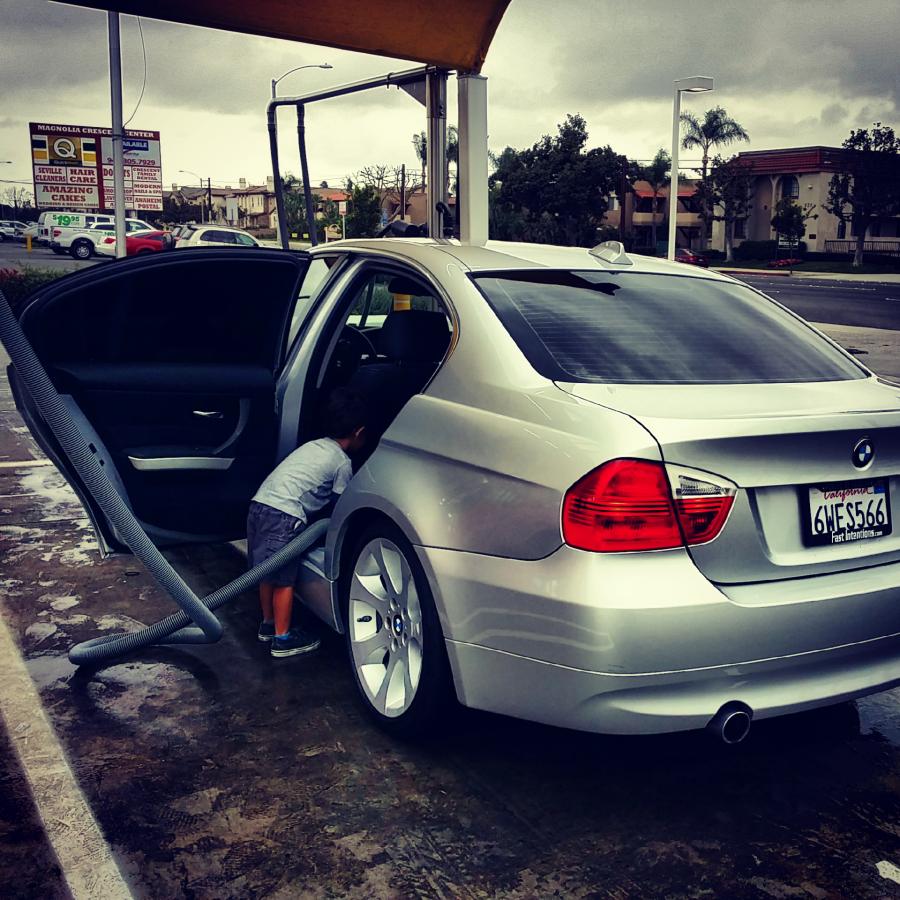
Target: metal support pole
x=403, y=192
x=472, y=186
x=276, y=169
x=673, y=184
x=304, y=173
x=115, y=90
x=436, y=113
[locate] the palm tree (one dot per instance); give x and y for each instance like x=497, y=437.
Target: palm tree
x=656, y=174
x=716, y=130
x=420, y=144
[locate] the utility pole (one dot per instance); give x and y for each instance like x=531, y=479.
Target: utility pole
x=403, y=192
x=209, y=203
x=115, y=90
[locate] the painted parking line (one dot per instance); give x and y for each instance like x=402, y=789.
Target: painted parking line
x=85, y=857
x=24, y=463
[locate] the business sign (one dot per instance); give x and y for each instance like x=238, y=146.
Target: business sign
x=73, y=168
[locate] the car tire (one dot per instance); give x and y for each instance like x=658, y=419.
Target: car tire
x=394, y=640
x=82, y=249
x=143, y=252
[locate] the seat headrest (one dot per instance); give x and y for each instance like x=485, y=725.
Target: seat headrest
x=415, y=335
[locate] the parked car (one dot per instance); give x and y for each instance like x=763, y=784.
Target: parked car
x=31, y=231
x=82, y=244
x=683, y=255
x=11, y=229
x=602, y=492
x=212, y=235
x=136, y=244
x=64, y=220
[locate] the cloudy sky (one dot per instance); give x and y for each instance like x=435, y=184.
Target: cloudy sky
x=793, y=72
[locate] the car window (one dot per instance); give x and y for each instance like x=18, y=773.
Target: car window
x=638, y=328
x=163, y=315
x=310, y=288
x=243, y=239
x=219, y=237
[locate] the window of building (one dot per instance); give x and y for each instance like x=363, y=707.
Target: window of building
x=875, y=230
x=790, y=187
x=841, y=230
x=740, y=228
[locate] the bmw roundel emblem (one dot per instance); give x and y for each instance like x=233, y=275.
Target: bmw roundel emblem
x=863, y=453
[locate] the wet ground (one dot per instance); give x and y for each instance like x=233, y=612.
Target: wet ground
x=219, y=772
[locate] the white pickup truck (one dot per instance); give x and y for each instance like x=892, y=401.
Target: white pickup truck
x=81, y=242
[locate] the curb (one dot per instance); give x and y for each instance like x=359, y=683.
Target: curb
x=775, y=272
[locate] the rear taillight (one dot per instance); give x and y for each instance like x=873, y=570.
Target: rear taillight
x=637, y=504
x=57, y=232
x=109, y=240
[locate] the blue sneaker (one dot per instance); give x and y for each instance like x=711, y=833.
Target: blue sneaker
x=294, y=643
x=266, y=631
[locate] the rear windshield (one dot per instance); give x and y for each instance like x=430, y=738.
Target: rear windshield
x=639, y=328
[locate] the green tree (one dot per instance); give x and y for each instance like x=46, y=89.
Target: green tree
x=657, y=175
x=790, y=221
x=717, y=129
x=363, y=210
x=554, y=192
x=867, y=187
x=728, y=191
x=294, y=204
x=420, y=145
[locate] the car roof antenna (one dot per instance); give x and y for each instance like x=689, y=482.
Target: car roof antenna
x=612, y=252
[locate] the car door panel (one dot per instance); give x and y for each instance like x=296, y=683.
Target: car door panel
x=172, y=364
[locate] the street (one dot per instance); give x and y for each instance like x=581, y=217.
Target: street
x=868, y=304
x=219, y=772
x=13, y=254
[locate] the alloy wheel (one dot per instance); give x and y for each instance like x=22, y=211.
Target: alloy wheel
x=385, y=627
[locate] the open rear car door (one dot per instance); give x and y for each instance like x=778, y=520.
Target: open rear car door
x=169, y=364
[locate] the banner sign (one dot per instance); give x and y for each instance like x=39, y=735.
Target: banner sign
x=73, y=168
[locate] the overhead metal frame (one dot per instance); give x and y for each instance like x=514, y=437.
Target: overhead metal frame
x=299, y=102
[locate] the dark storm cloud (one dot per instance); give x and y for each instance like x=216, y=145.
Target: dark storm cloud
x=634, y=50
x=189, y=67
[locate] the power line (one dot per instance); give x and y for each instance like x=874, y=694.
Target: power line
x=144, y=83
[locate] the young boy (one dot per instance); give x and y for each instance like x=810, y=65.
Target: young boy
x=302, y=485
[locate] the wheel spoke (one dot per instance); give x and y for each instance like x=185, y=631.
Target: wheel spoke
x=391, y=566
x=414, y=663
x=371, y=650
x=366, y=589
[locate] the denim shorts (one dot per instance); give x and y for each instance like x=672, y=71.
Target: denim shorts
x=268, y=530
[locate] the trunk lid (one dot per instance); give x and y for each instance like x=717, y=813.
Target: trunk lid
x=775, y=442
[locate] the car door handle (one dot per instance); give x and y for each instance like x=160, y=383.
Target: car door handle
x=209, y=413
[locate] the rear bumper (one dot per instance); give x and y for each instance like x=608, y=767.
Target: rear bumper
x=664, y=702
x=631, y=643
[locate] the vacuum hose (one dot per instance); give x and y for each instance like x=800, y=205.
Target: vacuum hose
x=196, y=612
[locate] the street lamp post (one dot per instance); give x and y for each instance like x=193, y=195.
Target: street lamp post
x=297, y=69
x=301, y=142
x=696, y=84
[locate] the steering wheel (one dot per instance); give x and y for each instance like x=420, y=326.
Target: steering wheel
x=351, y=347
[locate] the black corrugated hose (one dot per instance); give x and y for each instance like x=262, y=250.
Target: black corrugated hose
x=196, y=612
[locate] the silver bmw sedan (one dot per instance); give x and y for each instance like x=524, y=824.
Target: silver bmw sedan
x=601, y=491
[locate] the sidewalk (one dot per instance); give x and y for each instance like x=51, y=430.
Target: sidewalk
x=886, y=278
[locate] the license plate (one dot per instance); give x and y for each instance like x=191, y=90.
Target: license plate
x=847, y=512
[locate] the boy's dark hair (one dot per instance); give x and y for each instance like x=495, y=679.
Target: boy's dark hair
x=345, y=411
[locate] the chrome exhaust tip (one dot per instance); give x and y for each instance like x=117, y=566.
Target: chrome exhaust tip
x=731, y=724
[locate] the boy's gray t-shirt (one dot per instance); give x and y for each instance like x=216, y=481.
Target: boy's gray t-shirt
x=303, y=482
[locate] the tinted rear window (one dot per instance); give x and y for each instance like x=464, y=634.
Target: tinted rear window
x=638, y=328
